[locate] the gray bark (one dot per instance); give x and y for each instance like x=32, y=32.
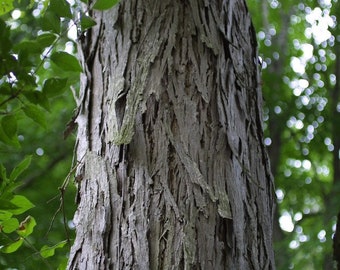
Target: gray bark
x=172, y=172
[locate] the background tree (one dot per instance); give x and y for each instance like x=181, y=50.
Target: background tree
x=299, y=43
x=172, y=167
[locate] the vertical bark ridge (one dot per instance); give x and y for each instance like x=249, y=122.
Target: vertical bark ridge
x=177, y=176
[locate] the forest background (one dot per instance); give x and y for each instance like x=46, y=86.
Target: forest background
x=299, y=42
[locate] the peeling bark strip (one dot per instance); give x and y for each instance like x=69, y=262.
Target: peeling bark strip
x=175, y=174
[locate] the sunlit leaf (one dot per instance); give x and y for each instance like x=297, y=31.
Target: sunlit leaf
x=47, y=251
x=26, y=227
x=22, y=204
x=13, y=246
x=9, y=225
x=5, y=6
x=5, y=215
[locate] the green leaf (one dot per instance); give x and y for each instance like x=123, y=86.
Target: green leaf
x=63, y=264
x=9, y=141
x=10, y=126
x=13, y=246
x=36, y=114
x=54, y=87
x=9, y=225
x=31, y=5
x=4, y=180
x=6, y=205
x=22, y=166
x=5, y=6
x=22, y=204
x=105, y=4
x=7, y=192
x=5, y=44
x=8, y=130
x=47, y=251
x=86, y=22
x=38, y=98
x=26, y=227
x=29, y=46
x=5, y=215
x=61, y=8
x=6, y=88
x=46, y=39
x=37, y=45
x=26, y=81
x=50, y=21
x=66, y=61
x=3, y=174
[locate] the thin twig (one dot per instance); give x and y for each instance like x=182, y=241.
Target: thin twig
x=61, y=207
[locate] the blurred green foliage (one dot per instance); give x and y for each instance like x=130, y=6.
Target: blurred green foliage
x=35, y=106
x=299, y=43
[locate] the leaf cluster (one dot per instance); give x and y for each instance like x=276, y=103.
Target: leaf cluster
x=38, y=69
x=11, y=206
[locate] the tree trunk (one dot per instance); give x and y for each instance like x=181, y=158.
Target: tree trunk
x=172, y=171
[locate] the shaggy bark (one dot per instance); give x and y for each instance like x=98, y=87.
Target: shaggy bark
x=172, y=172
